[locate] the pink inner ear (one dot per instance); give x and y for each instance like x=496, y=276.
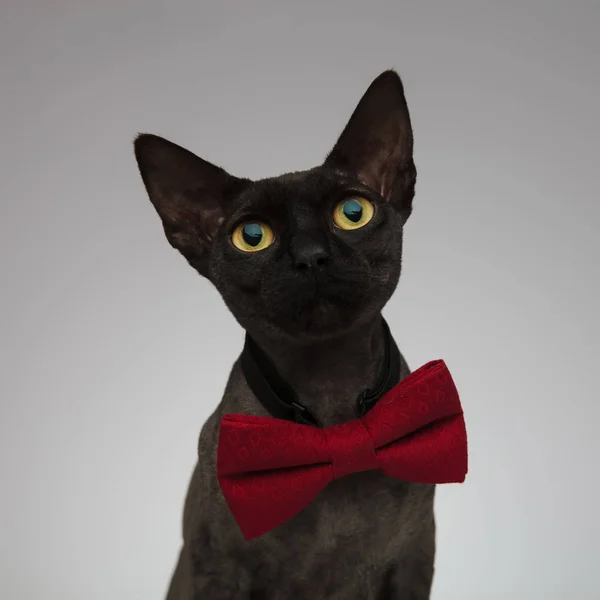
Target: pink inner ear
x=379, y=174
x=383, y=158
x=390, y=174
x=210, y=222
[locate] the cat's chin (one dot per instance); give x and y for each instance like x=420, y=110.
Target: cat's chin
x=322, y=321
x=322, y=311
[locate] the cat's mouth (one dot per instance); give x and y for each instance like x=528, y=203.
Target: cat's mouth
x=325, y=307
x=316, y=304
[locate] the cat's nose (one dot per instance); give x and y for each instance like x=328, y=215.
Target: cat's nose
x=309, y=254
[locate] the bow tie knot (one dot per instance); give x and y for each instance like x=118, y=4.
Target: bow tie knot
x=352, y=448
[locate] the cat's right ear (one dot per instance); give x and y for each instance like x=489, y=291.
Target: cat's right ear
x=189, y=194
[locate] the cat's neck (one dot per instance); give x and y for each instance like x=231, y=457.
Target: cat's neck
x=327, y=375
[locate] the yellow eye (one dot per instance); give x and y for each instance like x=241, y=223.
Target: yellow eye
x=353, y=213
x=252, y=236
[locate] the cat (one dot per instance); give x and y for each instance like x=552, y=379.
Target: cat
x=305, y=262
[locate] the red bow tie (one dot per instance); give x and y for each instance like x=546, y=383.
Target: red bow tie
x=270, y=469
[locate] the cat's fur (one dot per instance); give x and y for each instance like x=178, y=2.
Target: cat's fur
x=313, y=302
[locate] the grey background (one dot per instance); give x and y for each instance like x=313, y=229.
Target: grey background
x=114, y=352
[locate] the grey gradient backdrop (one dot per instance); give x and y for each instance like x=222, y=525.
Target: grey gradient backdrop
x=114, y=352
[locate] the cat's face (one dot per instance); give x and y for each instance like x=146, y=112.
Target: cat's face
x=304, y=254
x=307, y=253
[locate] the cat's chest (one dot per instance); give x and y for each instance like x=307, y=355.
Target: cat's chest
x=345, y=539
x=369, y=505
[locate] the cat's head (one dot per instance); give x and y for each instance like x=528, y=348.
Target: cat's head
x=305, y=254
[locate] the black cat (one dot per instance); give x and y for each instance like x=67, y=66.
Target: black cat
x=305, y=262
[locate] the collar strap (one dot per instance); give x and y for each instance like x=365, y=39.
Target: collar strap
x=281, y=401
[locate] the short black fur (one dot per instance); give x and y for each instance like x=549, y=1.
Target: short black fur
x=312, y=302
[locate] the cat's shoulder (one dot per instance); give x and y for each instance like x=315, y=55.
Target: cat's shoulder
x=237, y=399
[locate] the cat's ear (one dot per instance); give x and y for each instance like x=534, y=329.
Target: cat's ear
x=189, y=194
x=376, y=145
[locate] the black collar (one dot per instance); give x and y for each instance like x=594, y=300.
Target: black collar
x=280, y=400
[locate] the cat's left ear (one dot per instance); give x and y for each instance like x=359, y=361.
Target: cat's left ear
x=376, y=145
x=189, y=194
